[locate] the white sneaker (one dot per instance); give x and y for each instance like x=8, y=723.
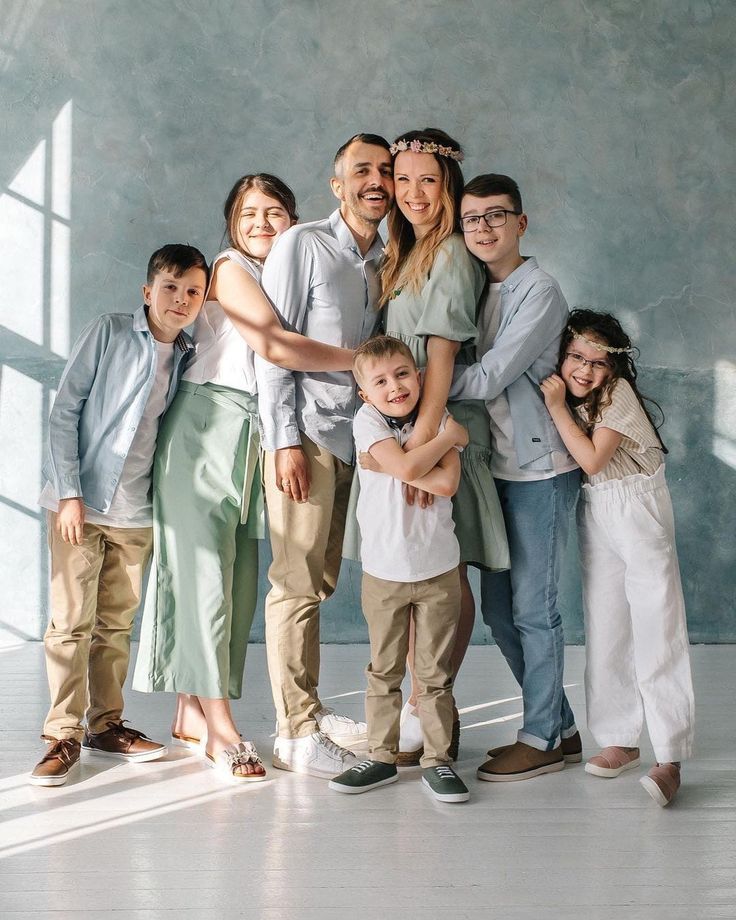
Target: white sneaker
x=314, y=755
x=410, y=730
x=341, y=729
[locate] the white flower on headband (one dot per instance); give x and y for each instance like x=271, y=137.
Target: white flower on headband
x=417, y=146
x=599, y=346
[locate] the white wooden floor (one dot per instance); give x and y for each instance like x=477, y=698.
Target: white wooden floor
x=167, y=840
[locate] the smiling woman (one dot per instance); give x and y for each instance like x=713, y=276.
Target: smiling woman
x=201, y=599
x=431, y=288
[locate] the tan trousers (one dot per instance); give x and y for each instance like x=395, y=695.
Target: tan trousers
x=95, y=592
x=306, y=542
x=388, y=607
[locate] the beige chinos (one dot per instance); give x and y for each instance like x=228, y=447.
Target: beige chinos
x=388, y=606
x=306, y=542
x=95, y=593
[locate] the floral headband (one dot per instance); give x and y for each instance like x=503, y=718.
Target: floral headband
x=426, y=147
x=598, y=345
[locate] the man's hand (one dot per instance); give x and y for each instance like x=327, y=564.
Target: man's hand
x=554, y=391
x=70, y=520
x=292, y=473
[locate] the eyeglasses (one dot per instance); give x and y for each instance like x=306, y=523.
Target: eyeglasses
x=495, y=218
x=580, y=361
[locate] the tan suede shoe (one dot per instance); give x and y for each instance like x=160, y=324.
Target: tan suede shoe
x=572, y=749
x=520, y=761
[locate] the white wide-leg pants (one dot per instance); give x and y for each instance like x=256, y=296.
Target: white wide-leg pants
x=637, y=650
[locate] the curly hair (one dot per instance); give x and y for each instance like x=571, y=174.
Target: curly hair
x=607, y=329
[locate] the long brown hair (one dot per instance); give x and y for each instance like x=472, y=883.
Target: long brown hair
x=263, y=182
x=606, y=328
x=407, y=260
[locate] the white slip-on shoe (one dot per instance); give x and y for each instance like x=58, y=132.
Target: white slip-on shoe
x=341, y=729
x=228, y=762
x=411, y=739
x=314, y=755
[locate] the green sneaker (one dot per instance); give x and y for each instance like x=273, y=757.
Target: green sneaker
x=444, y=784
x=366, y=775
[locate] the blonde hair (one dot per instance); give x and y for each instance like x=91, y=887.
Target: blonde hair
x=407, y=260
x=380, y=346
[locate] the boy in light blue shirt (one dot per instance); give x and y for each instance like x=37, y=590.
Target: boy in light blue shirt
x=120, y=378
x=522, y=318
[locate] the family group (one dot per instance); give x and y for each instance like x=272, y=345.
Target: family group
x=448, y=370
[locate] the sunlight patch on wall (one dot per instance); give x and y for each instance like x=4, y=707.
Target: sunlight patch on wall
x=724, y=416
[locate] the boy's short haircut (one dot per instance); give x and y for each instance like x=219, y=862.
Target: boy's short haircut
x=381, y=346
x=176, y=258
x=495, y=184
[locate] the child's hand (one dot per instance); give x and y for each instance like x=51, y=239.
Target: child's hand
x=554, y=391
x=368, y=462
x=70, y=520
x=457, y=432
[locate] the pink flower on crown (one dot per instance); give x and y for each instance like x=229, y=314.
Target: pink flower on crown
x=416, y=147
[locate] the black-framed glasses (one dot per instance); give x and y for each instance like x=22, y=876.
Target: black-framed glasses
x=496, y=217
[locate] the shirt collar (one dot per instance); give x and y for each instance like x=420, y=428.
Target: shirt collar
x=140, y=324
x=344, y=236
x=518, y=274
x=399, y=423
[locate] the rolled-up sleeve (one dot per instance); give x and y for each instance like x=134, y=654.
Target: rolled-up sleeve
x=537, y=323
x=286, y=282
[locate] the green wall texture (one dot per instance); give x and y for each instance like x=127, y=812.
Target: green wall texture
x=124, y=125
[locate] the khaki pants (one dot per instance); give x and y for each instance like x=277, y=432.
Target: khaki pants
x=388, y=607
x=306, y=541
x=95, y=592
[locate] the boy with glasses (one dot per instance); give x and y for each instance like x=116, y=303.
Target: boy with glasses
x=522, y=317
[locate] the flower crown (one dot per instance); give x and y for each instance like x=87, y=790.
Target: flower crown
x=599, y=346
x=426, y=147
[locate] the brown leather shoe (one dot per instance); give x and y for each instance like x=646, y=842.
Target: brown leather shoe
x=572, y=749
x=520, y=761
x=123, y=743
x=54, y=767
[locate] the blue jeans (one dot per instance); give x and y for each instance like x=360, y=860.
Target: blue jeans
x=520, y=606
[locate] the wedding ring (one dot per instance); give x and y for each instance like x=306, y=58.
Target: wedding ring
x=285, y=483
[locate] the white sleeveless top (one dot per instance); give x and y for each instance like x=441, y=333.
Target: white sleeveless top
x=222, y=355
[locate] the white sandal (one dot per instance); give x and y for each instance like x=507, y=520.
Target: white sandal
x=228, y=760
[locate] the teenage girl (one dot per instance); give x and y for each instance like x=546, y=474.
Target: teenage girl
x=207, y=504
x=638, y=664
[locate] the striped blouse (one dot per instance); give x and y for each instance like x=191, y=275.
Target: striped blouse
x=639, y=450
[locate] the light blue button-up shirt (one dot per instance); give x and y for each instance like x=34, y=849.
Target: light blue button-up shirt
x=533, y=315
x=101, y=397
x=322, y=287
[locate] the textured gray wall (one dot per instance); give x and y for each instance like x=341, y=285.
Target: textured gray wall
x=124, y=124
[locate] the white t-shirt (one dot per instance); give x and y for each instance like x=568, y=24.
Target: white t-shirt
x=399, y=542
x=222, y=355
x=131, y=503
x=504, y=459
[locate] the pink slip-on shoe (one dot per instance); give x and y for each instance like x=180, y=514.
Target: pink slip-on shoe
x=612, y=761
x=662, y=782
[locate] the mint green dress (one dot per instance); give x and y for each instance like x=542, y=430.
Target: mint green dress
x=446, y=307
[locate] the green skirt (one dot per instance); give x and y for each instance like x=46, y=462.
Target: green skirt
x=207, y=518
x=476, y=510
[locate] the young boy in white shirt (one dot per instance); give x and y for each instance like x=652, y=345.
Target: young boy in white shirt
x=410, y=557
x=119, y=380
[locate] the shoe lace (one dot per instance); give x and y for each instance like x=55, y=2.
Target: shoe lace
x=345, y=720
x=124, y=731
x=444, y=772
x=362, y=766
x=324, y=742
x=62, y=750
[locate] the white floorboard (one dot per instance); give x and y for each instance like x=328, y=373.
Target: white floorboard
x=166, y=839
